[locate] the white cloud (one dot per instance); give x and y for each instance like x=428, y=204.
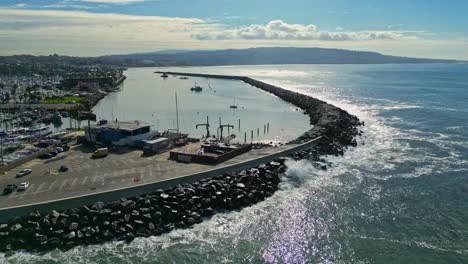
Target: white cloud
x=278, y=29
x=113, y=1
x=80, y=33
x=64, y=31
x=67, y=5
x=395, y=26
x=20, y=6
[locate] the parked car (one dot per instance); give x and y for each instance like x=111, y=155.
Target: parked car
x=46, y=156
x=53, y=153
x=23, y=172
x=33, y=149
x=23, y=186
x=59, y=149
x=9, y=189
x=65, y=147
x=63, y=168
x=100, y=153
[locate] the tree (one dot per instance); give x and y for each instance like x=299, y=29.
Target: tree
x=86, y=105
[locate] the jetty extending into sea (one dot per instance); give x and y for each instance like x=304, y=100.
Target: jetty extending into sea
x=160, y=205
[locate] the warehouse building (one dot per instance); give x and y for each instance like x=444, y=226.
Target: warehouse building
x=117, y=133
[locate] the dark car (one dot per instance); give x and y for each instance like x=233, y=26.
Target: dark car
x=42, y=145
x=53, y=153
x=46, y=156
x=63, y=168
x=10, y=188
x=65, y=147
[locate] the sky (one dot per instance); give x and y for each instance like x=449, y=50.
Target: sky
x=416, y=28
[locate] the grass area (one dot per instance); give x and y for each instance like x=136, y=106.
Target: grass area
x=62, y=100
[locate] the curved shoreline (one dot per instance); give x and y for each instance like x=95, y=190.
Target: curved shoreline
x=183, y=205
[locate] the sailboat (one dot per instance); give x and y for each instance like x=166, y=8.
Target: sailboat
x=233, y=106
x=196, y=88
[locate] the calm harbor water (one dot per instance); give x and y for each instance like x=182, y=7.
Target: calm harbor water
x=148, y=97
x=400, y=197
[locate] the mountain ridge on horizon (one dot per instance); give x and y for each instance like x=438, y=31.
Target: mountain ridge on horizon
x=262, y=55
x=249, y=56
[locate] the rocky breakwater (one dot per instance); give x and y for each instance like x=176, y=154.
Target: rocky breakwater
x=153, y=214
x=337, y=127
x=181, y=206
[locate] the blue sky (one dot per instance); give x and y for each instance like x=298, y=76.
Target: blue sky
x=430, y=28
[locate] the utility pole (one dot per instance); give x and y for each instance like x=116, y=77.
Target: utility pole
x=177, y=111
x=207, y=125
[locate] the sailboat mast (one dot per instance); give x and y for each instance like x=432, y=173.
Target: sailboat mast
x=177, y=112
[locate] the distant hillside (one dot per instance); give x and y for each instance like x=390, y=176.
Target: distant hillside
x=258, y=56
x=254, y=56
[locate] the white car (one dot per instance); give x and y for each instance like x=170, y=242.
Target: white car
x=58, y=149
x=23, y=186
x=23, y=172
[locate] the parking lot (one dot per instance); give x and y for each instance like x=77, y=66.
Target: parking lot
x=86, y=175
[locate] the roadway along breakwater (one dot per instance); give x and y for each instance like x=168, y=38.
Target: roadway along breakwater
x=183, y=205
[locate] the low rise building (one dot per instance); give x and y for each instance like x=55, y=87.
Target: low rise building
x=118, y=133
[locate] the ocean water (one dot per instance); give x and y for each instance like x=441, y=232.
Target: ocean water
x=401, y=196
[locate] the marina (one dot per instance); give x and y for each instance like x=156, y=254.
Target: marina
x=244, y=173
x=144, y=154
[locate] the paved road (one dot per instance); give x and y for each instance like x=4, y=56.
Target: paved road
x=88, y=176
